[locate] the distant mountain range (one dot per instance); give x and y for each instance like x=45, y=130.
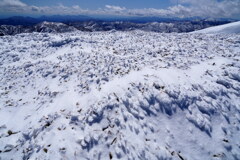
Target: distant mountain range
x=60, y=24
x=28, y=21
x=43, y=27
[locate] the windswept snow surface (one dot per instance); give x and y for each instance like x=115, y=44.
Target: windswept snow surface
x=120, y=95
x=230, y=28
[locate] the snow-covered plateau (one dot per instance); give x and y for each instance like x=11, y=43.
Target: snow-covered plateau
x=120, y=95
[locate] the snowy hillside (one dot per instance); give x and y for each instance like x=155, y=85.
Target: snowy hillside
x=44, y=27
x=53, y=27
x=229, y=28
x=119, y=95
x=92, y=26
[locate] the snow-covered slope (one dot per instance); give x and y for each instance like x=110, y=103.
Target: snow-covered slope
x=119, y=95
x=230, y=28
x=53, y=27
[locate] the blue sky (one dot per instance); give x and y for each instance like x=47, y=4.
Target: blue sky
x=159, y=8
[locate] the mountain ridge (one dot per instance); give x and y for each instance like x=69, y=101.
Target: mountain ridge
x=96, y=25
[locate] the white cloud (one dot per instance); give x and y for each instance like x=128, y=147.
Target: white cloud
x=12, y=3
x=184, y=8
x=12, y=6
x=76, y=7
x=200, y=8
x=213, y=8
x=115, y=8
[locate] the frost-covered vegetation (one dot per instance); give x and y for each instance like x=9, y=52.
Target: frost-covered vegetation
x=120, y=95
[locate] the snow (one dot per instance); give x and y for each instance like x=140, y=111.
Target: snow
x=230, y=28
x=120, y=95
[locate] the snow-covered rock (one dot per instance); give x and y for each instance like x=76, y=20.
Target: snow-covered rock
x=119, y=95
x=230, y=28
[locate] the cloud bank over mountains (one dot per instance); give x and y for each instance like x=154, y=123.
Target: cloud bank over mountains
x=182, y=9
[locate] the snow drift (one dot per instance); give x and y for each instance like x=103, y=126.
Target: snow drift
x=230, y=28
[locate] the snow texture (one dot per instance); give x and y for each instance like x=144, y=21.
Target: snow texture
x=229, y=28
x=120, y=95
